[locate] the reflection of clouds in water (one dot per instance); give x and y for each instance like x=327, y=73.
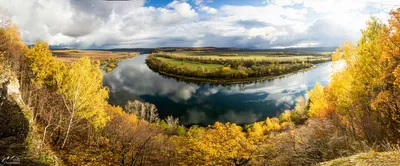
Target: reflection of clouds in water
x=286, y=90
x=204, y=104
x=138, y=79
x=198, y=116
x=244, y=117
x=195, y=116
x=202, y=94
x=211, y=91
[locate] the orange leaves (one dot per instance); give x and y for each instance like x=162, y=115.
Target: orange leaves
x=381, y=99
x=391, y=39
x=10, y=41
x=365, y=92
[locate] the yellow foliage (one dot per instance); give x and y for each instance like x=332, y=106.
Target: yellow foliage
x=225, y=69
x=220, y=144
x=318, y=103
x=256, y=131
x=272, y=124
x=43, y=64
x=83, y=92
x=286, y=116
x=364, y=95
x=114, y=111
x=10, y=41
x=336, y=55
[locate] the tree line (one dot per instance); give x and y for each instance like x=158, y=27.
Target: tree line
x=235, y=63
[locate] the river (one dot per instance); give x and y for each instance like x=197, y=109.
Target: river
x=196, y=104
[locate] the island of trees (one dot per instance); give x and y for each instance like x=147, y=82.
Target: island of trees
x=232, y=67
x=57, y=114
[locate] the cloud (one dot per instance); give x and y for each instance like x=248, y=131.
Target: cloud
x=195, y=116
x=208, y=9
x=202, y=6
x=244, y=117
x=135, y=78
x=274, y=24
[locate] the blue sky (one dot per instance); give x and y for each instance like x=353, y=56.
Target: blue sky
x=191, y=23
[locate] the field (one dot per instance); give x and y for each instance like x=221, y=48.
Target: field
x=71, y=55
x=107, y=59
x=189, y=64
x=255, y=55
x=232, y=66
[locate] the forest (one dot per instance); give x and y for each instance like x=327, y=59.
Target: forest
x=61, y=115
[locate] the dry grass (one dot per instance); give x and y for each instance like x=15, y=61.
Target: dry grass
x=371, y=158
x=71, y=55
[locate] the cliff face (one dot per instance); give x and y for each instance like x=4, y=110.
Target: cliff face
x=19, y=134
x=14, y=126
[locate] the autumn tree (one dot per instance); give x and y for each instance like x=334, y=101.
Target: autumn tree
x=83, y=94
x=318, y=103
x=387, y=102
x=364, y=95
x=11, y=44
x=43, y=64
x=220, y=144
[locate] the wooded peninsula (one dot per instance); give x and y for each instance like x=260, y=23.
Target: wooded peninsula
x=232, y=66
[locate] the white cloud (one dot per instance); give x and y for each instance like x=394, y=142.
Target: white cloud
x=278, y=23
x=208, y=10
x=202, y=2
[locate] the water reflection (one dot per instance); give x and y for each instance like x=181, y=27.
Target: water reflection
x=205, y=104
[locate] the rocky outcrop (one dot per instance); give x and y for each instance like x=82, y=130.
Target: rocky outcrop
x=9, y=89
x=19, y=134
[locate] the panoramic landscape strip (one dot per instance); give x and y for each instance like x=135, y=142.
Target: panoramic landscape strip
x=102, y=103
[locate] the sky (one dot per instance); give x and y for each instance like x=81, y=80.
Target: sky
x=257, y=24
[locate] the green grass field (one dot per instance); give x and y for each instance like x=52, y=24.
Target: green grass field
x=254, y=53
x=269, y=56
x=191, y=65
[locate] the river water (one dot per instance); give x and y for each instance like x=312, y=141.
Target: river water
x=205, y=104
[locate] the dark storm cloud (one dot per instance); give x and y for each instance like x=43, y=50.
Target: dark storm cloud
x=97, y=8
x=90, y=15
